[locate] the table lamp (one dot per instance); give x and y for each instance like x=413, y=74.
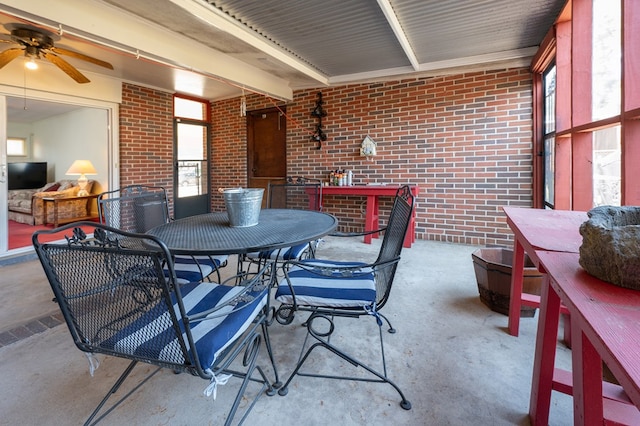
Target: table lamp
x=82, y=168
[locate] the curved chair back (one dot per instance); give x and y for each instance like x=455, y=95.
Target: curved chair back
x=134, y=208
x=118, y=294
x=392, y=242
x=107, y=284
x=295, y=192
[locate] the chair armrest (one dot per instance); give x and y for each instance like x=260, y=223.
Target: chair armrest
x=356, y=234
x=356, y=270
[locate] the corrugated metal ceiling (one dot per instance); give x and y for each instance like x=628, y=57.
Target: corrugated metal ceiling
x=348, y=37
x=217, y=48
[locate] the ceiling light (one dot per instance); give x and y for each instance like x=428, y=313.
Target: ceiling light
x=31, y=64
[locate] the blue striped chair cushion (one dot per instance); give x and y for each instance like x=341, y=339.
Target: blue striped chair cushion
x=190, y=270
x=211, y=337
x=213, y=261
x=335, y=290
x=286, y=253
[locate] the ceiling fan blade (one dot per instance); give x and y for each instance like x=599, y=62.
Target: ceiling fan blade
x=77, y=55
x=9, y=55
x=66, y=67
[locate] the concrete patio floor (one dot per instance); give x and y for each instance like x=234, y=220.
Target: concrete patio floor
x=451, y=356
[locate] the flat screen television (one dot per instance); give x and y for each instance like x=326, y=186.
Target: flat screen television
x=27, y=175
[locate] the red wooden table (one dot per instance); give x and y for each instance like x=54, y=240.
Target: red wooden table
x=535, y=230
x=373, y=192
x=605, y=321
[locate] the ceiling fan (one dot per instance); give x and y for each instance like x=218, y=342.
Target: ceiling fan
x=35, y=44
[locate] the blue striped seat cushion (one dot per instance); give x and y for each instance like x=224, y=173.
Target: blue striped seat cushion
x=286, y=253
x=213, y=261
x=190, y=270
x=335, y=290
x=145, y=336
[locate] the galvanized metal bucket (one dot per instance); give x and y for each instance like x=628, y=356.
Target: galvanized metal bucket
x=243, y=206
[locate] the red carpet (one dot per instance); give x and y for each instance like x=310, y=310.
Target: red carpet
x=20, y=234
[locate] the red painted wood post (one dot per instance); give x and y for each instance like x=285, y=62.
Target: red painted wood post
x=517, y=278
x=545, y=353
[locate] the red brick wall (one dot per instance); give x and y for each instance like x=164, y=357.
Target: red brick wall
x=146, y=137
x=465, y=140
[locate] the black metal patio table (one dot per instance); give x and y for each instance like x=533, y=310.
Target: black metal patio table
x=211, y=233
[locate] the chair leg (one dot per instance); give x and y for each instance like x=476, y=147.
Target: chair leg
x=250, y=356
x=267, y=341
x=114, y=389
x=323, y=341
x=391, y=330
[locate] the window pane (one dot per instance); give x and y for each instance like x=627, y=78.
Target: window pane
x=191, y=141
x=16, y=146
x=186, y=108
x=606, y=59
x=192, y=177
x=549, y=170
x=606, y=167
x=550, y=101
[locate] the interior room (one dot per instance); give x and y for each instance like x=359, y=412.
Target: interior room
x=51, y=133
x=504, y=133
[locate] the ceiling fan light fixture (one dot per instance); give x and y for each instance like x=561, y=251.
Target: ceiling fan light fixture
x=31, y=64
x=31, y=54
x=36, y=45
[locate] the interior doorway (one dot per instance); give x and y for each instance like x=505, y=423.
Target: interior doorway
x=266, y=147
x=56, y=131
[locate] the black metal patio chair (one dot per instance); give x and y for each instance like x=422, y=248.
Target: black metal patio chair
x=293, y=192
x=345, y=289
x=117, y=300
x=138, y=208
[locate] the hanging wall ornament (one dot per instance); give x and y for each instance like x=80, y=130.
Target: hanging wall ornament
x=319, y=135
x=243, y=105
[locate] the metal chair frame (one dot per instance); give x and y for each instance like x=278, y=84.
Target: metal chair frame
x=293, y=192
x=138, y=208
x=114, y=282
x=383, y=270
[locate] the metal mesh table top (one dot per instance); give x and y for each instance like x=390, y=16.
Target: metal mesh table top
x=211, y=233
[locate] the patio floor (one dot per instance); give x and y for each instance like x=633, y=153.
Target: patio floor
x=451, y=356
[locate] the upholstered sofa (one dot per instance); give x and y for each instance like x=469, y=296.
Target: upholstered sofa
x=27, y=206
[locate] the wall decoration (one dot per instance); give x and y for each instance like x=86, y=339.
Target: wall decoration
x=368, y=147
x=319, y=135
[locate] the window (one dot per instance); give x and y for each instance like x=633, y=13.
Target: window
x=549, y=125
x=589, y=106
x=606, y=167
x=187, y=108
x=605, y=63
x=190, y=146
x=16, y=147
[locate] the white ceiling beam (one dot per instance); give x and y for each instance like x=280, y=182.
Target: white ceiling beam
x=393, y=21
x=215, y=17
x=507, y=58
x=105, y=24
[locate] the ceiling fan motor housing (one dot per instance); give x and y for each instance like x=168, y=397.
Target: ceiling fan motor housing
x=32, y=38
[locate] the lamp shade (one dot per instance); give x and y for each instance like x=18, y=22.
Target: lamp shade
x=82, y=167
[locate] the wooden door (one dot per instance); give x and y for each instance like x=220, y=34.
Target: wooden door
x=267, y=147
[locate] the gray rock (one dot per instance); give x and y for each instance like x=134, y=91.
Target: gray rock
x=611, y=245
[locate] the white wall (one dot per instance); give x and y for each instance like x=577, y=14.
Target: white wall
x=78, y=135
